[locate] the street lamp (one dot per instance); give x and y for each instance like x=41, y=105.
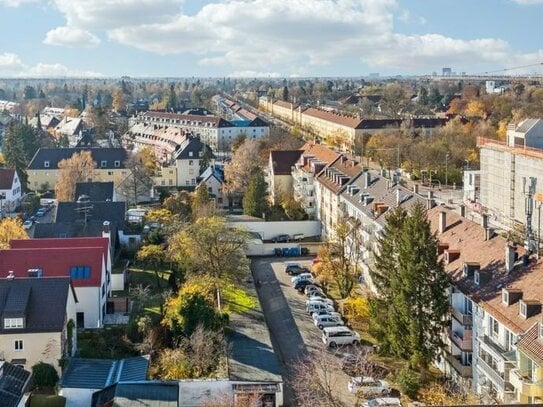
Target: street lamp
x=446, y=169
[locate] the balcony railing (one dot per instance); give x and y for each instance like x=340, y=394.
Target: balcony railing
x=464, y=319
x=463, y=370
x=464, y=342
x=500, y=379
x=525, y=385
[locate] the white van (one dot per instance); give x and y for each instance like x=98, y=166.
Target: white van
x=316, y=306
x=339, y=335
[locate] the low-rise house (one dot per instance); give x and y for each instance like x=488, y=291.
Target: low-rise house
x=279, y=175
x=84, y=377
x=145, y=393
x=37, y=320
x=213, y=178
x=14, y=385
x=10, y=190
x=70, y=127
x=86, y=261
x=187, y=161
x=312, y=161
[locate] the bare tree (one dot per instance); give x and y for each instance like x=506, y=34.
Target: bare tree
x=139, y=182
x=238, y=171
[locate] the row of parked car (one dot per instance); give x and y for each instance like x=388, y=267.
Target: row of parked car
x=40, y=213
x=335, y=333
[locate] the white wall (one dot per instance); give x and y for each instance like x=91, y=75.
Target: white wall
x=268, y=230
x=77, y=397
x=117, y=281
x=89, y=302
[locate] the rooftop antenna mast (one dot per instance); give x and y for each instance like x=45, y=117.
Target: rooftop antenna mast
x=530, y=243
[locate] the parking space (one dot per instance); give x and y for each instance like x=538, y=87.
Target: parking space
x=292, y=329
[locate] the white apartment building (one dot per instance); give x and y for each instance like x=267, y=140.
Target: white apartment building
x=10, y=191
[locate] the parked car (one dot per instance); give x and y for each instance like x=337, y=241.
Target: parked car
x=317, y=306
x=28, y=224
x=316, y=293
x=328, y=313
x=298, y=236
x=301, y=277
x=320, y=299
x=323, y=321
x=368, y=385
x=383, y=402
x=296, y=270
x=338, y=336
x=41, y=212
x=311, y=288
x=281, y=239
x=301, y=285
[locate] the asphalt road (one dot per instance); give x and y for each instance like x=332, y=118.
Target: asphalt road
x=292, y=330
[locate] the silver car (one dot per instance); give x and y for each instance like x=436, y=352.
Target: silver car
x=323, y=321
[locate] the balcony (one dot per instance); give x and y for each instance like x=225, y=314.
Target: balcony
x=464, y=319
x=500, y=379
x=464, y=342
x=525, y=385
x=463, y=370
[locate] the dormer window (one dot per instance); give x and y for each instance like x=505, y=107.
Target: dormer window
x=190, y=154
x=46, y=164
x=505, y=297
x=117, y=164
x=13, y=323
x=103, y=164
x=476, y=278
x=523, y=309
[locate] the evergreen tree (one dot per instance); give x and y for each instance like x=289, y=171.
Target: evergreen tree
x=171, y=102
x=255, y=199
x=435, y=97
x=14, y=154
x=411, y=283
x=285, y=94
x=423, y=97
x=205, y=159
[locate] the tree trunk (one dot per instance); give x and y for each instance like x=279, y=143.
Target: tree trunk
x=218, y=290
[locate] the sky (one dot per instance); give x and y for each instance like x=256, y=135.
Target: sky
x=267, y=38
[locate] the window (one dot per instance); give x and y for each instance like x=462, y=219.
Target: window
x=505, y=297
x=18, y=345
x=36, y=273
x=80, y=272
x=170, y=182
x=191, y=162
x=116, y=163
x=13, y=323
x=523, y=309
x=110, y=173
x=191, y=154
x=193, y=181
x=187, y=182
x=191, y=171
x=103, y=164
x=494, y=326
x=163, y=182
x=46, y=164
x=476, y=278
x=210, y=190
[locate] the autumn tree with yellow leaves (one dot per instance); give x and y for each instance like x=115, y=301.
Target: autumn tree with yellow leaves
x=78, y=168
x=11, y=229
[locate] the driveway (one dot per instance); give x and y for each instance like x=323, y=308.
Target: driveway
x=291, y=328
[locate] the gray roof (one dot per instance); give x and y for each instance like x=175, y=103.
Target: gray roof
x=191, y=145
x=526, y=125
x=54, y=155
x=137, y=394
x=96, y=191
x=28, y=297
x=113, y=212
x=14, y=382
x=101, y=373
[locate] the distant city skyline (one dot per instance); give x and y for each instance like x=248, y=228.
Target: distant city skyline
x=267, y=38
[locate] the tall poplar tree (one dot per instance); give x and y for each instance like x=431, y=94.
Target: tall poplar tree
x=409, y=311
x=255, y=199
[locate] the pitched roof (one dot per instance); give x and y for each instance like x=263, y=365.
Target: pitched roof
x=6, y=178
x=190, y=149
x=338, y=173
x=283, y=160
x=110, y=156
x=69, y=125
x=96, y=191
x=40, y=294
x=316, y=151
x=379, y=123
x=137, y=394
x=532, y=344
x=337, y=118
x=14, y=381
x=286, y=105
x=100, y=373
x=113, y=212
x=468, y=237
x=55, y=262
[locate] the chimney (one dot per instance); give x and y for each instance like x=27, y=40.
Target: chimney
x=488, y=233
x=462, y=211
x=442, y=221
x=398, y=197
x=431, y=195
x=105, y=229
x=416, y=188
x=510, y=254
x=484, y=220
x=430, y=200
x=367, y=179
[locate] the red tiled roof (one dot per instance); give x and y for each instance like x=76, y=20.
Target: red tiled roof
x=286, y=105
x=6, y=178
x=333, y=117
x=48, y=243
x=532, y=344
x=468, y=237
x=54, y=262
x=283, y=160
x=320, y=152
x=180, y=116
x=344, y=166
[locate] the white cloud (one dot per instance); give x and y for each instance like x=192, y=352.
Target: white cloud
x=11, y=66
x=71, y=37
x=283, y=35
x=16, y=3
x=254, y=74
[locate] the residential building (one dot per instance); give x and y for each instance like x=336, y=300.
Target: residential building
x=286, y=111
x=14, y=385
x=472, y=186
x=527, y=376
x=213, y=178
x=147, y=393
x=7, y=106
x=95, y=191
x=43, y=168
x=279, y=175
x=84, y=377
x=506, y=166
x=187, y=161
x=5, y=121
x=47, y=122
x=329, y=184
x=71, y=128
x=10, y=191
x=495, y=302
x=212, y=130
x=28, y=334
x=86, y=261
x=313, y=159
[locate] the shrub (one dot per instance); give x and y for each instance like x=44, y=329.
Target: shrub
x=409, y=382
x=44, y=375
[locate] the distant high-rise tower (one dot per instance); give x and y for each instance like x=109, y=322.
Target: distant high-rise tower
x=446, y=71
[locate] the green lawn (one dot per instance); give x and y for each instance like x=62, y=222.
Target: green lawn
x=237, y=300
x=42, y=400
x=138, y=276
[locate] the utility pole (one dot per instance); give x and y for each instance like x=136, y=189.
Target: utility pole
x=447, y=169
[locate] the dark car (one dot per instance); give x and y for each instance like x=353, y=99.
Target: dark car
x=300, y=286
x=295, y=270
x=281, y=239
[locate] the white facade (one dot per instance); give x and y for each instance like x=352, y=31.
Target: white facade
x=472, y=185
x=11, y=197
x=91, y=301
